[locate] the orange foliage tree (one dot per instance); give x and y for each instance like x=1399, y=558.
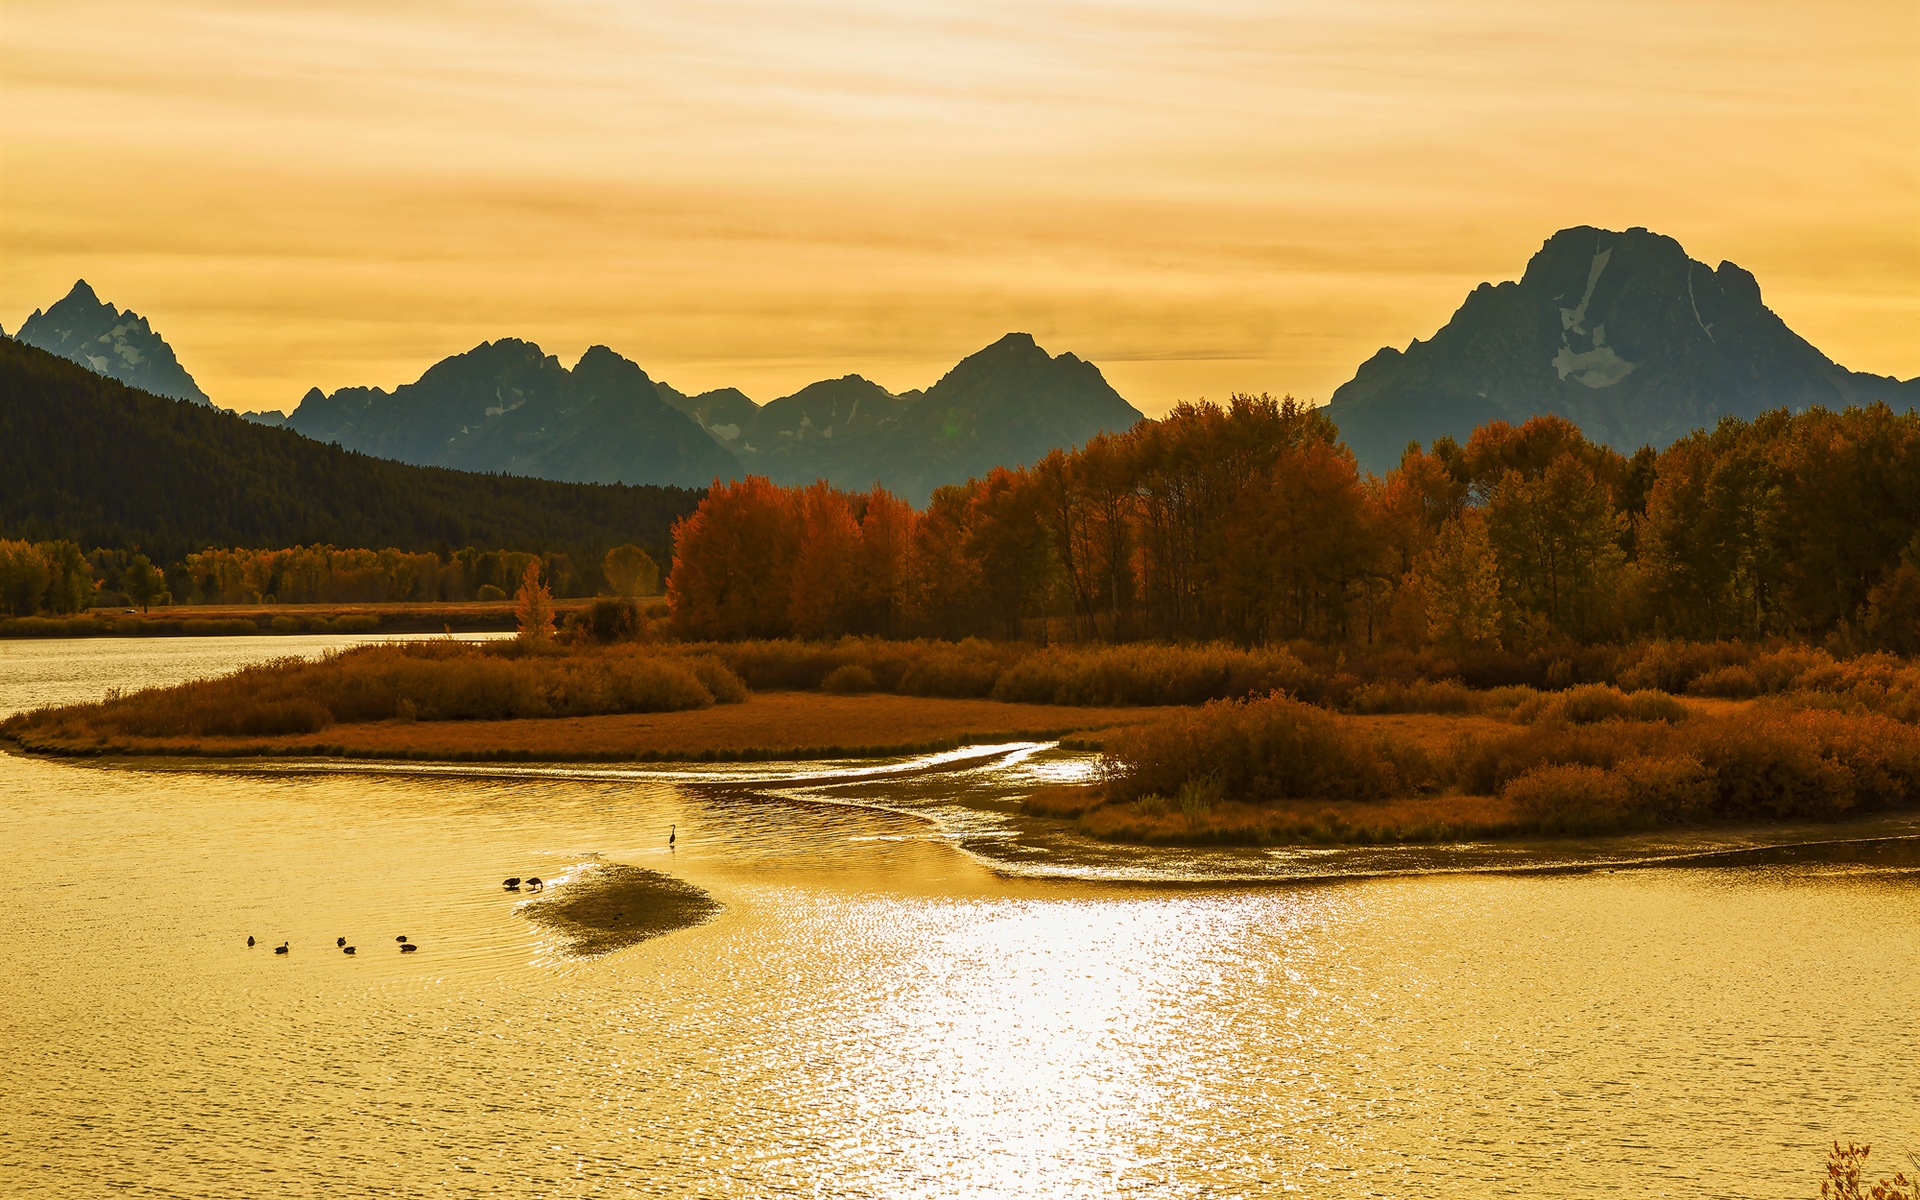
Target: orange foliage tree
x=1251, y=522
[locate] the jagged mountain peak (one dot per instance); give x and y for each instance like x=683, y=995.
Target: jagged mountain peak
x=1621, y=332
x=85, y=329
x=507, y=405
x=83, y=294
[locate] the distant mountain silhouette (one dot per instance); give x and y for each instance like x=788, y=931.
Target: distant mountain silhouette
x=88, y=458
x=1621, y=333
x=805, y=436
x=84, y=329
x=1006, y=405
x=725, y=413
x=507, y=406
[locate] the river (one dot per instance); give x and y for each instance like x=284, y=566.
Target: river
x=907, y=992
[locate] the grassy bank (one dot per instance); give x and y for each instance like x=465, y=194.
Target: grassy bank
x=1187, y=757
x=764, y=726
x=1590, y=761
x=429, y=681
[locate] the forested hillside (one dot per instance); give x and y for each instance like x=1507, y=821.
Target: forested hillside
x=90, y=460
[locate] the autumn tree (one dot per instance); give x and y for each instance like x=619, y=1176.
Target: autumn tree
x=631, y=571
x=1556, y=538
x=733, y=562
x=1455, y=584
x=1296, y=542
x=143, y=582
x=882, y=564
x=533, y=607
x=823, y=599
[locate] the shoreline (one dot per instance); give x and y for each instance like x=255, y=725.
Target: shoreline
x=765, y=727
x=278, y=620
x=1891, y=838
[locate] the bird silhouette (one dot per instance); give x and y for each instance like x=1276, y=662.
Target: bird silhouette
x=401, y=938
x=340, y=941
x=536, y=884
x=672, y=833
x=280, y=949
x=346, y=949
x=249, y=939
x=512, y=885
x=408, y=948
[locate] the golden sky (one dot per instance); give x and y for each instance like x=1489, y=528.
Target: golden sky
x=1201, y=196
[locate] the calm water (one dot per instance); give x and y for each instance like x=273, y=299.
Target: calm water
x=907, y=993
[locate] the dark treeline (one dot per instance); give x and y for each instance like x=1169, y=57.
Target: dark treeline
x=58, y=578
x=1251, y=523
x=88, y=460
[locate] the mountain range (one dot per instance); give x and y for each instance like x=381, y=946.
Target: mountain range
x=82, y=328
x=1620, y=332
x=507, y=406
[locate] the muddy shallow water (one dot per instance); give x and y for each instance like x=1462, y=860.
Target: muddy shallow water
x=905, y=991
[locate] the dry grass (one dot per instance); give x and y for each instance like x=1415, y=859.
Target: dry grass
x=1276, y=770
x=776, y=725
x=1406, y=819
x=438, y=680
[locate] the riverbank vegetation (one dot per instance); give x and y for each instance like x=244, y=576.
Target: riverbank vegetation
x=1199, y=744
x=49, y=580
x=762, y=727
x=418, y=681
x=1591, y=761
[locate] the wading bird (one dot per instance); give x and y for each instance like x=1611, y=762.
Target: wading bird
x=536, y=883
x=673, y=831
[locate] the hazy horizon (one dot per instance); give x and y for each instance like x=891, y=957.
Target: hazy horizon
x=760, y=196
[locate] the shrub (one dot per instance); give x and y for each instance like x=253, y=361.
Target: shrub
x=721, y=683
x=1668, y=790
x=1673, y=666
x=1727, y=683
x=1420, y=695
x=284, y=624
x=1570, y=799
x=1592, y=703
x=849, y=679
x=283, y=716
x=1149, y=674
x=607, y=621
x=490, y=594
x=428, y=681
x=1260, y=750
x=1792, y=667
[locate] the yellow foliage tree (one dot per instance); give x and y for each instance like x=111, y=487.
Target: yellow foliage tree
x=631, y=571
x=533, y=605
x=1459, y=581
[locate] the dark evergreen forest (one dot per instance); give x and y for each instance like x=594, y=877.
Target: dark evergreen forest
x=89, y=460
